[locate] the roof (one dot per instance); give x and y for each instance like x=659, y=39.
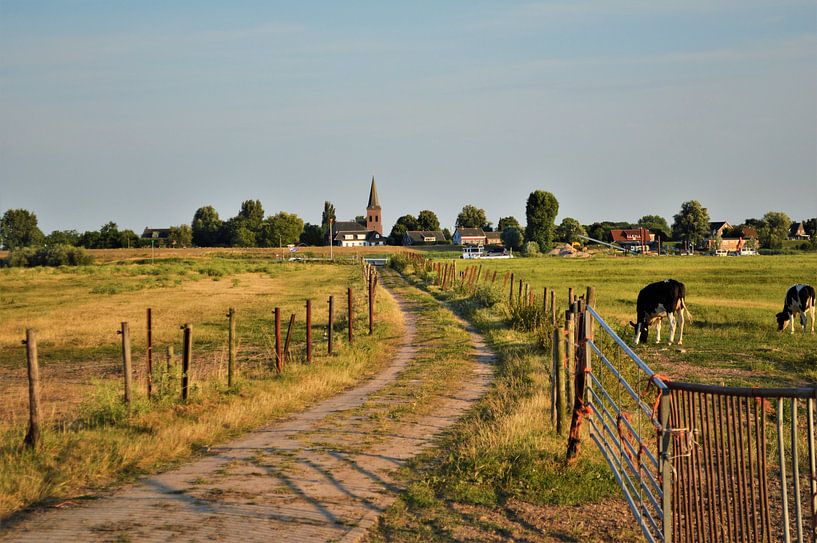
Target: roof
x=156, y=233
x=748, y=231
x=470, y=232
x=418, y=236
x=346, y=226
x=493, y=235
x=797, y=229
x=374, y=235
x=628, y=235
x=717, y=225
x=374, y=201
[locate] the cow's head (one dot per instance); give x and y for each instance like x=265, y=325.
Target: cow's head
x=642, y=332
x=782, y=320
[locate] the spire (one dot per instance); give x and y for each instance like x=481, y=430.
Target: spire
x=374, y=201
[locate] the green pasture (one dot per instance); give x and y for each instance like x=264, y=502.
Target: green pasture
x=733, y=338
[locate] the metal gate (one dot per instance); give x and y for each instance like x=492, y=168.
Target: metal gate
x=696, y=463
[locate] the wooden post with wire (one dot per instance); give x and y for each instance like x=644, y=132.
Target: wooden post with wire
x=149, y=352
x=289, y=334
x=187, y=355
x=558, y=377
x=309, y=331
x=231, y=348
x=279, y=355
x=350, y=315
x=331, y=325
x=32, y=439
x=124, y=331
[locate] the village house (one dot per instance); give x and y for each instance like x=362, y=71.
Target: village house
x=798, y=231
x=469, y=236
x=423, y=237
x=631, y=238
x=353, y=234
x=159, y=237
x=493, y=238
x=717, y=228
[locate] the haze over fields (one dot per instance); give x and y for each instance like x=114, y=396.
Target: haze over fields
x=142, y=112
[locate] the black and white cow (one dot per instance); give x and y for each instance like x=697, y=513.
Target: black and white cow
x=656, y=301
x=799, y=299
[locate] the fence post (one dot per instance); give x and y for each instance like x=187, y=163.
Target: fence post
x=279, y=355
x=510, y=294
x=351, y=313
x=309, y=331
x=150, y=351
x=519, y=299
x=187, y=353
x=570, y=324
x=569, y=296
x=591, y=297
x=231, y=348
x=289, y=333
x=124, y=331
x=371, y=305
x=331, y=323
x=32, y=438
x=553, y=306
x=558, y=372
x=574, y=438
x=665, y=464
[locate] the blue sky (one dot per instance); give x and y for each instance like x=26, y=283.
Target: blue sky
x=140, y=112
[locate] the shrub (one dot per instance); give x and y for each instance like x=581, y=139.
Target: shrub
x=487, y=295
x=398, y=263
x=53, y=255
x=527, y=317
x=531, y=248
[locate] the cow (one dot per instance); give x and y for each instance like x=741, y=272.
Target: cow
x=799, y=299
x=656, y=301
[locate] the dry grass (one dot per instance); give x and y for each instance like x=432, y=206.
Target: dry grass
x=89, y=443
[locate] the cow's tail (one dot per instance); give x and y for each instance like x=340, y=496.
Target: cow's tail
x=685, y=310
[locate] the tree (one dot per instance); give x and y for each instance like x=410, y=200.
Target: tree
x=691, y=223
x=180, y=236
x=472, y=217
x=505, y=222
x=774, y=228
x=280, y=230
x=236, y=233
x=427, y=220
x=207, y=227
x=657, y=225
x=110, y=237
x=512, y=238
x=403, y=224
x=312, y=235
x=62, y=237
x=18, y=228
x=540, y=211
x=601, y=230
x=327, y=215
x=569, y=230
x=447, y=234
x=360, y=219
x=252, y=214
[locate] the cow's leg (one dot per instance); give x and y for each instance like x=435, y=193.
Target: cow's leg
x=680, y=318
x=812, y=319
x=804, y=320
x=638, y=333
x=658, y=331
x=791, y=320
x=671, y=319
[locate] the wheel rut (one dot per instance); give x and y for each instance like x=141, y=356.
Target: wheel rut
x=322, y=475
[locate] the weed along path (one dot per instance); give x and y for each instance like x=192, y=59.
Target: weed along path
x=325, y=474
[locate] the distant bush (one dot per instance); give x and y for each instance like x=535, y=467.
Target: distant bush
x=398, y=263
x=527, y=317
x=531, y=248
x=53, y=255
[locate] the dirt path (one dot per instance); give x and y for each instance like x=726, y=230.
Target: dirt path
x=324, y=475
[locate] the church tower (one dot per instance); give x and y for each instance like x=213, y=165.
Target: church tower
x=373, y=219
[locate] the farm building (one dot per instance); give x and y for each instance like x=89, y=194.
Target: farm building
x=160, y=237
x=423, y=237
x=469, y=236
x=717, y=228
x=631, y=238
x=493, y=238
x=798, y=231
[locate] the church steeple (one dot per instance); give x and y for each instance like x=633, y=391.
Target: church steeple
x=373, y=218
x=374, y=201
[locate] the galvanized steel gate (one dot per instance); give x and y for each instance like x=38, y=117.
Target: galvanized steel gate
x=696, y=463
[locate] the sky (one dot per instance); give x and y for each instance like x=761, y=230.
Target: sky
x=141, y=112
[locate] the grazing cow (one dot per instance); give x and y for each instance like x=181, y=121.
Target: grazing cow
x=799, y=299
x=656, y=301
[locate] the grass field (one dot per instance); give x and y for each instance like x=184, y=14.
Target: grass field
x=733, y=338
x=89, y=441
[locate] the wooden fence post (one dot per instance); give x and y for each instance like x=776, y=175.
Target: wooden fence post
x=519, y=298
x=124, y=331
x=279, y=355
x=570, y=324
x=231, y=348
x=569, y=296
x=510, y=294
x=591, y=297
x=553, y=307
x=150, y=352
x=331, y=325
x=187, y=354
x=32, y=438
x=558, y=372
x=309, y=331
x=289, y=334
x=350, y=315
x=584, y=326
x=371, y=305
